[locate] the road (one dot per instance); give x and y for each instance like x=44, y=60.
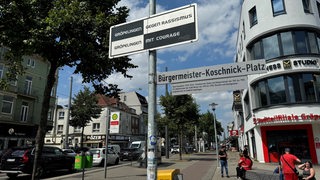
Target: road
x=3, y=176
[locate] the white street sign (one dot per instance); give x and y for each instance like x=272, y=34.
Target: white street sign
x=222, y=84
x=212, y=72
x=161, y=30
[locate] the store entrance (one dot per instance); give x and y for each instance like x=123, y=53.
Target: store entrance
x=296, y=140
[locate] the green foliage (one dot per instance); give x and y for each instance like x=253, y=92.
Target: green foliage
x=181, y=111
x=206, y=124
x=71, y=33
x=66, y=32
x=84, y=108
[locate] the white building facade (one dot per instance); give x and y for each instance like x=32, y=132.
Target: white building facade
x=280, y=108
x=95, y=131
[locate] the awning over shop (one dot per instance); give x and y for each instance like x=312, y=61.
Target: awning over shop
x=93, y=142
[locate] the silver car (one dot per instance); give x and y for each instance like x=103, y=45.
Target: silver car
x=99, y=156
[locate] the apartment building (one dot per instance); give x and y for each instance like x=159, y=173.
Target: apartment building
x=280, y=108
x=21, y=102
x=130, y=118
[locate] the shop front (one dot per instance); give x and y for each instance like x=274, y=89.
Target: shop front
x=299, y=138
x=16, y=135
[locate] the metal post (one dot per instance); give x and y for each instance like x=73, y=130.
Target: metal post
x=66, y=140
x=152, y=139
x=106, y=149
x=213, y=106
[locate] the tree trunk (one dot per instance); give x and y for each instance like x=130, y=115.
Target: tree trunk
x=42, y=128
x=81, y=141
x=180, y=144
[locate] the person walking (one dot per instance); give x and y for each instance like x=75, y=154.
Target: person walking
x=288, y=162
x=223, y=157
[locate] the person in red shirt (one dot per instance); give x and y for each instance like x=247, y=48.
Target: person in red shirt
x=244, y=164
x=288, y=162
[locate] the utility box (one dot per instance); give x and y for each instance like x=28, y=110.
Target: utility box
x=79, y=162
x=169, y=174
x=89, y=160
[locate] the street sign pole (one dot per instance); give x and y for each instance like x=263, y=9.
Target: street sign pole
x=152, y=140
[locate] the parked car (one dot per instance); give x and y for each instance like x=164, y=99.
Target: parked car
x=175, y=149
x=130, y=153
x=115, y=147
x=20, y=160
x=99, y=156
x=69, y=152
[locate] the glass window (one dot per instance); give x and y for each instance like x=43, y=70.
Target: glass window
x=300, y=40
x=306, y=6
x=271, y=47
x=31, y=62
x=61, y=115
x=313, y=43
x=1, y=71
x=318, y=7
x=287, y=43
x=309, y=88
x=24, y=112
x=257, y=51
x=28, y=85
x=294, y=88
x=7, y=104
x=60, y=129
x=277, y=90
x=261, y=94
x=278, y=7
x=77, y=129
x=253, y=16
x=96, y=127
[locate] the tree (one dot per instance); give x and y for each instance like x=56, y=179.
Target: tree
x=206, y=124
x=83, y=109
x=182, y=111
x=72, y=33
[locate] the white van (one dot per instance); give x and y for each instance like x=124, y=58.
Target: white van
x=138, y=145
x=115, y=148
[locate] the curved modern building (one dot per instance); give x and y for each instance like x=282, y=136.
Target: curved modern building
x=280, y=108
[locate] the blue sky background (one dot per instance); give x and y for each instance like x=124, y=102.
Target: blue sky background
x=217, y=30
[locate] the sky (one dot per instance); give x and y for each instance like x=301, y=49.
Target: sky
x=217, y=36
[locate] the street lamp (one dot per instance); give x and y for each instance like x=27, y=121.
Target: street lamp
x=213, y=107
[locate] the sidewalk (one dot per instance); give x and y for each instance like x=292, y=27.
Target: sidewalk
x=260, y=168
x=197, y=166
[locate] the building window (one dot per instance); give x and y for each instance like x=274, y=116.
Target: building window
x=278, y=7
x=31, y=63
x=1, y=71
x=306, y=6
x=288, y=88
x=28, y=85
x=24, y=112
x=301, y=42
x=253, y=16
x=77, y=129
x=7, y=104
x=60, y=129
x=96, y=127
x=285, y=44
x=276, y=90
x=318, y=7
x=271, y=47
x=61, y=115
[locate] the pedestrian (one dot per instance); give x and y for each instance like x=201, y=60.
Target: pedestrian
x=308, y=171
x=288, y=162
x=244, y=164
x=245, y=150
x=223, y=157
